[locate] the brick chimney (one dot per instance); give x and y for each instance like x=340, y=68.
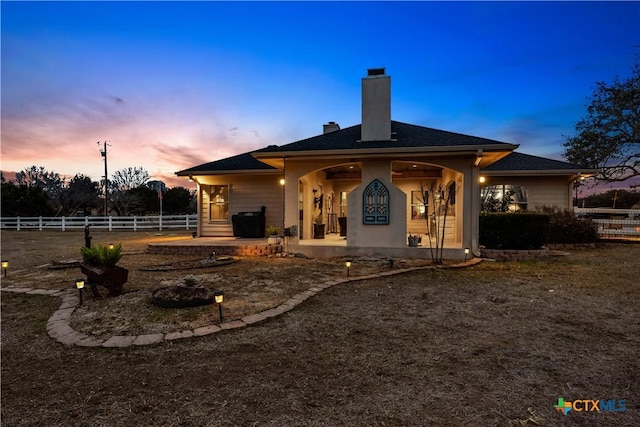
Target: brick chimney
x=376, y=106
x=330, y=127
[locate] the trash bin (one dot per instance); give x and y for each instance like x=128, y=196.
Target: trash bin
x=249, y=224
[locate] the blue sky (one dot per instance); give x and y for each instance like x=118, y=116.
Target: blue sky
x=172, y=85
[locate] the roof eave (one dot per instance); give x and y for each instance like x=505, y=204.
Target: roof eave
x=548, y=172
x=229, y=172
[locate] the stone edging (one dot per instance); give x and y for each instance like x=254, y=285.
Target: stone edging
x=58, y=324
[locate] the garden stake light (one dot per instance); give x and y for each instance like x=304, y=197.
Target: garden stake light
x=5, y=265
x=219, y=297
x=110, y=246
x=80, y=286
x=466, y=253
x=348, y=265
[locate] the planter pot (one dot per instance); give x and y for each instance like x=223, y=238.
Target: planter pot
x=111, y=278
x=318, y=231
x=273, y=240
x=413, y=241
x=342, y=221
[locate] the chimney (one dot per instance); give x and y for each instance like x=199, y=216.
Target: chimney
x=330, y=127
x=376, y=106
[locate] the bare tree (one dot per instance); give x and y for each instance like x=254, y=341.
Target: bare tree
x=437, y=201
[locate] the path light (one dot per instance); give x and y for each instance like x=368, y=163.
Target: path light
x=219, y=298
x=348, y=265
x=110, y=246
x=80, y=286
x=5, y=265
x=466, y=253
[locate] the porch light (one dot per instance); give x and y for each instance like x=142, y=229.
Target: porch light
x=466, y=254
x=482, y=179
x=219, y=298
x=80, y=286
x=5, y=265
x=348, y=265
x=282, y=181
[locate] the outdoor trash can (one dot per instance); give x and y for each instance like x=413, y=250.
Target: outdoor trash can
x=249, y=224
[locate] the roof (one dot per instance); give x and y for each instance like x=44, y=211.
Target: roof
x=240, y=162
x=526, y=162
x=403, y=135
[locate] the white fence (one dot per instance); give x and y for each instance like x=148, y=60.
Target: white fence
x=613, y=222
x=111, y=223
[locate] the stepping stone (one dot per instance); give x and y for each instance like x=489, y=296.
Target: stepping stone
x=178, y=335
x=62, y=314
x=148, y=339
x=206, y=330
x=119, y=341
x=254, y=318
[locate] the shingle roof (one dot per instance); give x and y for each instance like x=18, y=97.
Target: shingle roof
x=243, y=161
x=526, y=162
x=402, y=134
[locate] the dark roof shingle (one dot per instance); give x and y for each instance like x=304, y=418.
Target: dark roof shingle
x=243, y=161
x=526, y=162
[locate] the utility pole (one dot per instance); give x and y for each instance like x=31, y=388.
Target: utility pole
x=103, y=153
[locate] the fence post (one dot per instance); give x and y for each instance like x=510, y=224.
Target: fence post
x=160, y=222
x=63, y=225
x=110, y=224
x=18, y=223
x=135, y=223
x=86, y=220
x=186, y=221
x=40, y=223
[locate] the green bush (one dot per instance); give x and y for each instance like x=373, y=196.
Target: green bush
x=102, y=255
x=272, y=231
x=513, y=230
x=566, y=227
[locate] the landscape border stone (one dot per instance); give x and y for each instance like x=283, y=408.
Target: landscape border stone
x=59, y=329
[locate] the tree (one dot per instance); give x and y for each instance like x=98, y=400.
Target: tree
x=123, y=181
x=177, y=200
x=608, y=138
x=80, y=193
x=128, y=178
x=39, y=177
x=23, y=200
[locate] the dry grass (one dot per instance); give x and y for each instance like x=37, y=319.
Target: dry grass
x=496, y=344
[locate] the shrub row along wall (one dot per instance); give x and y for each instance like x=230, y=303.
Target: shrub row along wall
x=246, y=250
x=513, y=231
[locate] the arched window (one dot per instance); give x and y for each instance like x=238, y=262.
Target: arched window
x=375, y=203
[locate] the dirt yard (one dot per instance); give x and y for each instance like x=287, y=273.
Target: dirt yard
x=495, y=344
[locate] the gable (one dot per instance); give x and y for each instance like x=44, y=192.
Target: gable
x=240, y=163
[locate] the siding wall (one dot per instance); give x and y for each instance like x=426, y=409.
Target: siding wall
x=247, y=193
x=541, y=191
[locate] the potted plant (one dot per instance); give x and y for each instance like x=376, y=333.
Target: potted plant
x=273, y=235
x=318, y=227
x=99, y=265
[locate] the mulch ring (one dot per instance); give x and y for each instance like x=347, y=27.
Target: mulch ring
x=191, y=264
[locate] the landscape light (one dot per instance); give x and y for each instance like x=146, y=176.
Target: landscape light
x=110, y=246
x=80, y=286
x=348, y=265
x=466, y=253
x=5, y=265
x=219, y=298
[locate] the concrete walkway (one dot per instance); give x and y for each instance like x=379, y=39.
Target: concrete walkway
x=58, y=324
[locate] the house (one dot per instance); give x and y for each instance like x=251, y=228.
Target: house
x=364, y=182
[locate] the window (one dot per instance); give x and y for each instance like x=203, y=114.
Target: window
x=503, y=198
x=419, y=203
x=219, y=203
x=375, y=203
x=343, y=203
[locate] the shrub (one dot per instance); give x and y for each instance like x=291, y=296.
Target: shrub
x=513, y=230
x=272, y=231
x=566, y=227
x=102, y=255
